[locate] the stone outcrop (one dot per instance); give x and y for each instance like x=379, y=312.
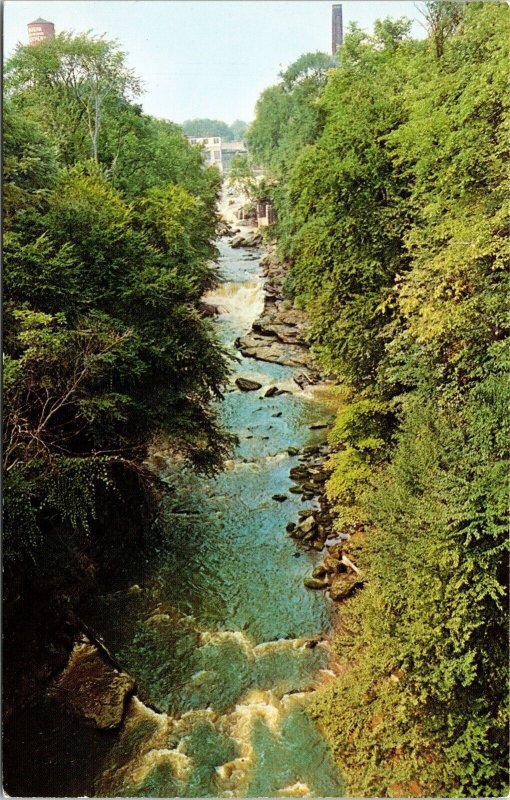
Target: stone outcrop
x=92, y=687
x=252, y=239
x=342, y=586
x=207, y=309
x=279, y=334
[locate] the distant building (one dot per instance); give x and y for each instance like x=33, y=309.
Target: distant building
x=265, y=215
x=228, y=151
x=40, y=30
x=218, y=153
x=212, y=149
x=337, y=28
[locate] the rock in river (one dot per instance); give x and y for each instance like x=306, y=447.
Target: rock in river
x=319, y=571
x=307, y=525
x=246, y=385
x=315, y=583
x=280, y=498
x=94, y=689
x=342, y=586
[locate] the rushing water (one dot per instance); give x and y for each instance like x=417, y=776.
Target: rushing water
x=214, y=621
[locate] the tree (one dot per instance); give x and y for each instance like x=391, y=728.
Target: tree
x=207, y=127
x=442, y=19
x=239, y=129
x=310, y=65
x=241, y=177
x=393, y=220
x=104, y=345
x=66, y=84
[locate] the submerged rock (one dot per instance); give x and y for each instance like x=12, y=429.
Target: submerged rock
x=293, y=451
x=247, y=385
x=315, y=583
x=280, y=498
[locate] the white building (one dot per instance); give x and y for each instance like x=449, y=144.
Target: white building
x=212, y=149
x=218, y=153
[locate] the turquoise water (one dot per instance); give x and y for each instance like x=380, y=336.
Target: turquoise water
x=212, y=619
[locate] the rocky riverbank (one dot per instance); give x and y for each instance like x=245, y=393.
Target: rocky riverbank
x=337, y=573
x=279, y=335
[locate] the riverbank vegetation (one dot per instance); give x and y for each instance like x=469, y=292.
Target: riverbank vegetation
x=109, y=228
x=391, y=188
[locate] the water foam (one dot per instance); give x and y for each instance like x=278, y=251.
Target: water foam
x=238, y=302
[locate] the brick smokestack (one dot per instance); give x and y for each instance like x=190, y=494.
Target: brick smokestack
x=337, y=28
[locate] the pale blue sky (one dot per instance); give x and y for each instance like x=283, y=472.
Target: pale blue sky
x=203, y=58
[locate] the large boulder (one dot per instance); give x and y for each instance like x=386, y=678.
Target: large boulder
x=342, y=586
x=237, y=241
x=319, y=571
x=247, y=385
x=207, y=309
x=298, y=472
x=332, y=564
x=93, y=687
x=252, y=239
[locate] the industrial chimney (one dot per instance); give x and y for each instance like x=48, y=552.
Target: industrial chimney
x=337, y=30
x=40, y=30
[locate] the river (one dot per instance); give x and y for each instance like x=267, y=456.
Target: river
x=212, y=618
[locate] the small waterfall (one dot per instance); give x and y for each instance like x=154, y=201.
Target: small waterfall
x=239, y=303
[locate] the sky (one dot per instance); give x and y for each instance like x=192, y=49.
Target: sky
x=203, y=58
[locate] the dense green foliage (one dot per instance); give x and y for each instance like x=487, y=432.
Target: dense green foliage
x=215, y=127
x=287, y=115
x=109, y=224
x=393, y=213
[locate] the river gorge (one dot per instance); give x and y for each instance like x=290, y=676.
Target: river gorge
x=211, y=618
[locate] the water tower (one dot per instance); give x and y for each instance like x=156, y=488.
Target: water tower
x=40, y=30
